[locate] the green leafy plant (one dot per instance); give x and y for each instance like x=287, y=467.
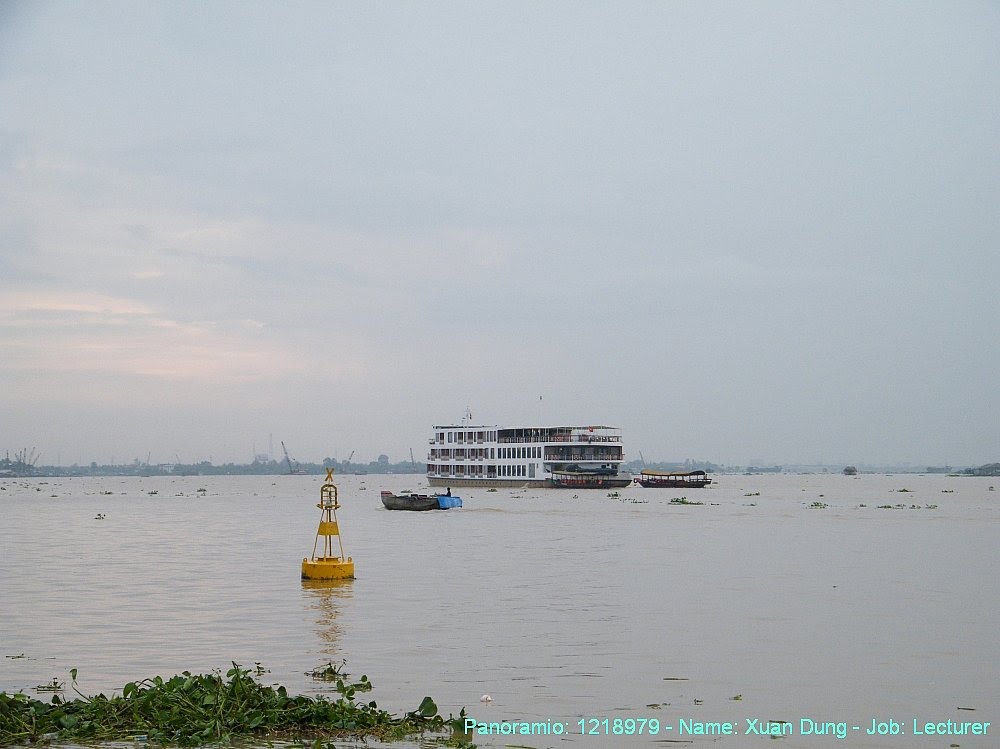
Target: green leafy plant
x=191, y=710
x=329, y=672
x=684, y=501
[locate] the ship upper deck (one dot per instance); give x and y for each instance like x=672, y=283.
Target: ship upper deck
x=482, y=434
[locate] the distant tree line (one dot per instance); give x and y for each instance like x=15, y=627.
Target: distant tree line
x=636, y=466
x=18, y=469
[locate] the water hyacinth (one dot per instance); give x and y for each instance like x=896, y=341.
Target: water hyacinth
x=190, y=710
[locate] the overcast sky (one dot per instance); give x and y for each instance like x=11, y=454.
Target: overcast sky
x=741, y=232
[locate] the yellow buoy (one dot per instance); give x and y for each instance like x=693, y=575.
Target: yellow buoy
x=327, y=566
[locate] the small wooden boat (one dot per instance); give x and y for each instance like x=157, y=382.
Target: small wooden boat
x=419, y=502
x=674, y=479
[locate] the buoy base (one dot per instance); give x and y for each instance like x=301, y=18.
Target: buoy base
x=327, y=568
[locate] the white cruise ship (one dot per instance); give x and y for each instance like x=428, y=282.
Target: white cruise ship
x=585, y=457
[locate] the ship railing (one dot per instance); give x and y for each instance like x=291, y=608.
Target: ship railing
x=563, y=438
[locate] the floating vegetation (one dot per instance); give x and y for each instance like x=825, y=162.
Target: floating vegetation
x=818, y=506
x=188, y=710
x=53, y=686
x=684, y=501
x=614, y=495
x=904, y=506
x=329, y=672
x=752, y=494
x=737, y=697
x=633, y=500
x=904, y=490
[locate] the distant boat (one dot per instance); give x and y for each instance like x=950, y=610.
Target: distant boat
x=419, y=502
x=674, y=479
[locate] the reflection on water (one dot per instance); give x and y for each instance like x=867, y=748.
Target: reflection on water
x=830, y=598
x=325, y=599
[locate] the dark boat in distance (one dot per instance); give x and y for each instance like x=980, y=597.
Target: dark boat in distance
x=419, y=502
x=674, y=479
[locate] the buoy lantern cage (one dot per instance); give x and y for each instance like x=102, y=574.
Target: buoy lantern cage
x=328, y=566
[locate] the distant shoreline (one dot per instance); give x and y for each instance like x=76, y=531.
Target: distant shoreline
x=14, y=470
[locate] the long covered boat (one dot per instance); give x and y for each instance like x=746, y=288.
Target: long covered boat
x=674, y=479
x=567, y=457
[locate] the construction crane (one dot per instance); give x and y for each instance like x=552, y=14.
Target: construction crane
x=288, y=460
